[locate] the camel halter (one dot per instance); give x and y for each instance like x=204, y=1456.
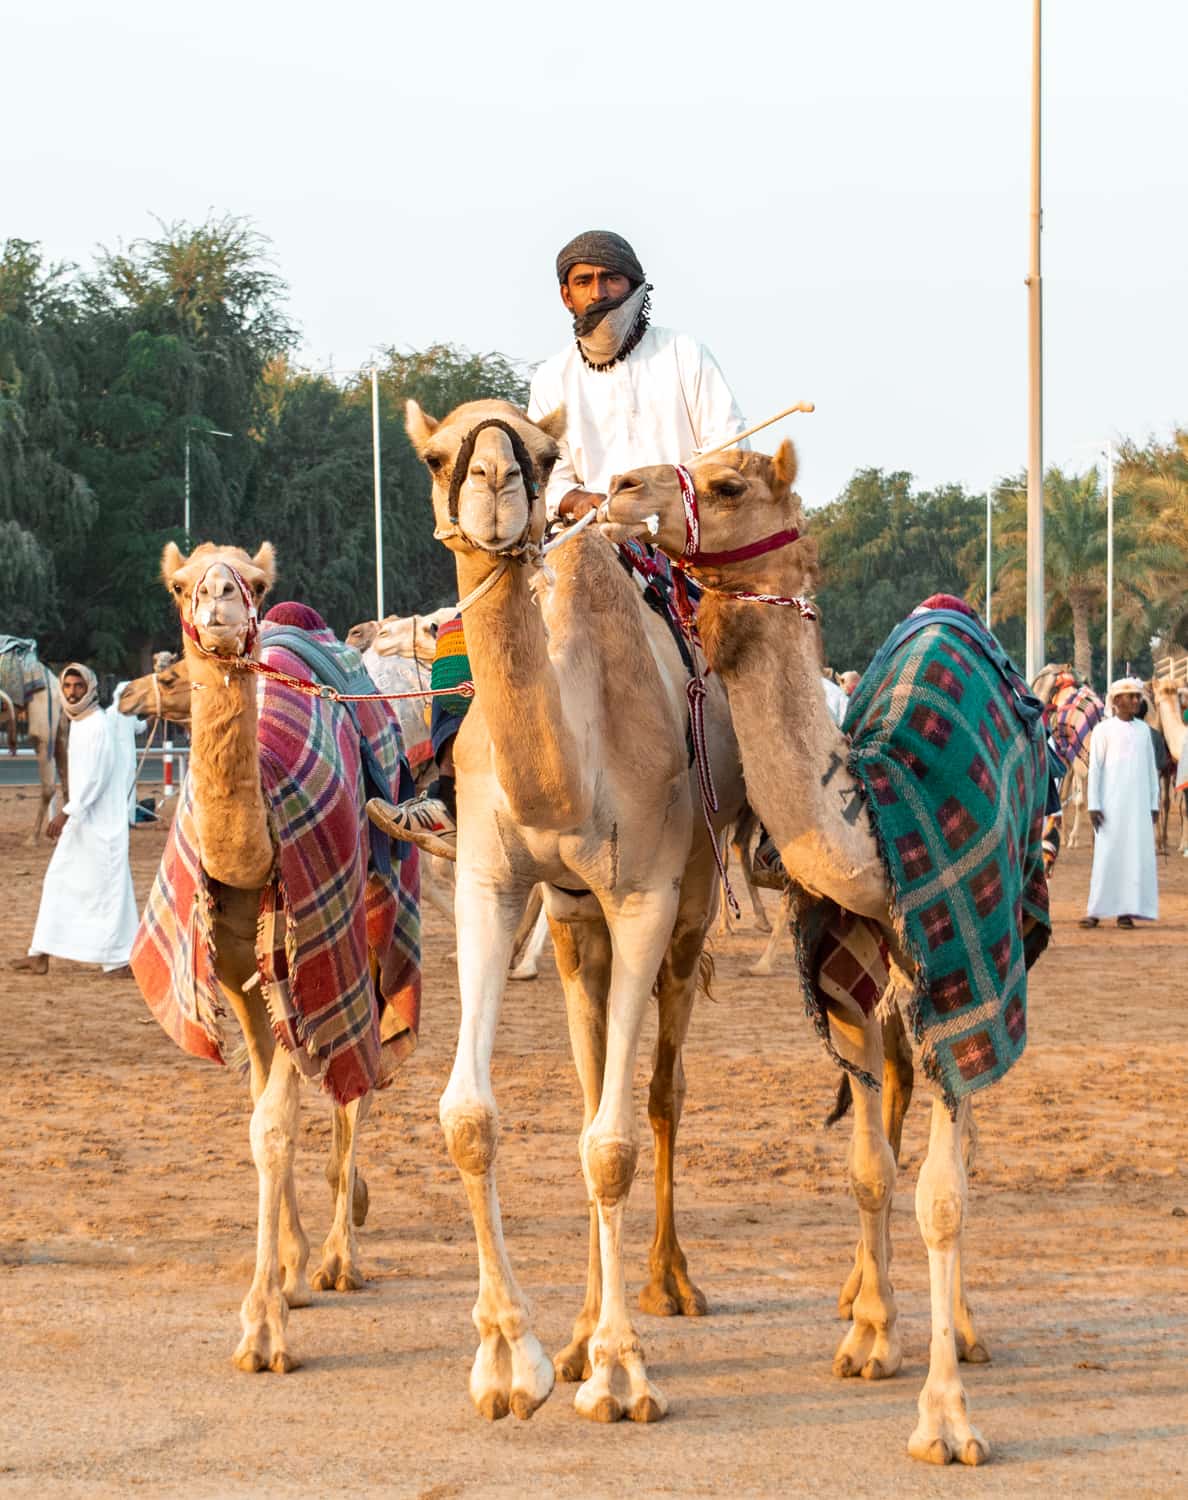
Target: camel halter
x=693, y=557
x=523, y=546
x=245, y=662
x=252, y=630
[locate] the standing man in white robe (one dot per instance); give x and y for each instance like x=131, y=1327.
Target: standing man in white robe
x=88, y=909
x=633, y=395
x=1123, y=808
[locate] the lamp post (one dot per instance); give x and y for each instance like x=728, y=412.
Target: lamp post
x=1035, y=436
x=989, y=552
x=1109, y=458
x=214, y=432
x=379, y=520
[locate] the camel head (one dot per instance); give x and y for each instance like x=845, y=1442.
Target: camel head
x=489, y=505
x=218, y=592
x=164, y=693
x=411, y=636
x=742, y=498
x=1050, y=678
x=360, y=636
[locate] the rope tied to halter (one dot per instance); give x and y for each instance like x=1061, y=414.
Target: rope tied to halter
x=695, y=692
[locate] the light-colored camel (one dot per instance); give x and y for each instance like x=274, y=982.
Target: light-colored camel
x=414, y=636
x=769, y=658
x=236, y=852
x=8, y=707
x=1074, y=791
x=1169, y=704
x=163, y=694
x=572, y=770
x=48, y=730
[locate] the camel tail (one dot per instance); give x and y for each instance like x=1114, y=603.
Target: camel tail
x=841, y=1104
x=705, y=974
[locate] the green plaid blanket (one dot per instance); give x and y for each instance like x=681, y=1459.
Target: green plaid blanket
x=949, y=748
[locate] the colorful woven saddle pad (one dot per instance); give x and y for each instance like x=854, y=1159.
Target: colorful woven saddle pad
x=338, y=941
x=1072, y=716
x=21, y=674
x=949, y=749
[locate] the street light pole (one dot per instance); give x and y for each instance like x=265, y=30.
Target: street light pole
x=989, y=554
x=213, y=432
x=1035, y=441
x=379, y=520
x=1109, y=563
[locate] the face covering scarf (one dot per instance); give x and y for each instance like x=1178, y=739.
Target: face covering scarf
x=603, y=330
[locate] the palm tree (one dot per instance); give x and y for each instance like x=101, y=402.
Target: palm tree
x=1075, y=559
x=1155, y=481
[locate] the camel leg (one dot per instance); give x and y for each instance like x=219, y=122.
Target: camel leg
x=765, y=964
x=583, y=952
x=943, y=1432
x=898, y=1082
x=340, y=1253
x=640, y=931
x=870, y=1347
x=340, y=1136
x=970, y=1346
x=669, y=1290
x=265, y=1309
x=531, y=936
x=511, y=1372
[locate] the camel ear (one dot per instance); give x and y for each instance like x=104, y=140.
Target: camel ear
x=419, y=425
x=171, y=561
x=553, y=424
x=786, y=466
x=265, y=560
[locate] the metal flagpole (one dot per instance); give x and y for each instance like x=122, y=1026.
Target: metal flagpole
x=186, y=517
x=1109, y=563
x=1035, y=442
x=989, y=566
x=379, y=520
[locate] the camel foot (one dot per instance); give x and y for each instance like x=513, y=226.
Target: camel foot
x=943, y=1434
x=596, y=1399
x=671, y=1294
x=297, y=1292
x=873, y=1353
x=361, y=1202
x=524, y=974
x=572, y=1364
x=510, y=1375
x=263, y=1345
x=337, y=1273
x=972, y=1352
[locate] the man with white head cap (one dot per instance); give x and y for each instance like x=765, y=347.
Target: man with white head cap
x=88, y=909
x=1123, y=807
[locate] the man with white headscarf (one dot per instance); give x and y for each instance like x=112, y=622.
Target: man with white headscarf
x=1123, y=808
x=88, y=909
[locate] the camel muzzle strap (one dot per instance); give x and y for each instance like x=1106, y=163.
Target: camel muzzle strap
x=693, y=556
x=252, y=631
x=523, y=545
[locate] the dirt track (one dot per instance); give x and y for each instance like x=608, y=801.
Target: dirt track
x=127, y=1212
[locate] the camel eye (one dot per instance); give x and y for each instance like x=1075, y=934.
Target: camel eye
x=176, y=587
x=434, y=462
x=730, y=489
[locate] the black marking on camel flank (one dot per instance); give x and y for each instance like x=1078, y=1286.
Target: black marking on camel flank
x=835, y=761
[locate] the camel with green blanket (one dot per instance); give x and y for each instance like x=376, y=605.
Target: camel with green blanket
x=29, y=687
x=913, y=847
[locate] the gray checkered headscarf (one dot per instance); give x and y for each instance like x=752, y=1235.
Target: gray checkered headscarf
x=600, y=247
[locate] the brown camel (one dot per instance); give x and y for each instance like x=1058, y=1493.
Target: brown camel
x=48, y=730
x=769, y=658
x=573, y=771
x=217, y=591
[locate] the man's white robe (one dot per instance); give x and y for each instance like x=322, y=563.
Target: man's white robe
x=1124, y=788
x=664, y=401
x=88, y=909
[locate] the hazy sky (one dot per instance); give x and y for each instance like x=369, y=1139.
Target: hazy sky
x=832, y=196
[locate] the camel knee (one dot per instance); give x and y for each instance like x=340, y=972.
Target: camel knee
x=940, y=1216
x=273, y=1146
x=872, y=1171
x=610, y=1166
x=472, y=1137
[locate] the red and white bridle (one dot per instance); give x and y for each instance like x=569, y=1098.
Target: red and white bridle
x=252, y=629
x=694, y=557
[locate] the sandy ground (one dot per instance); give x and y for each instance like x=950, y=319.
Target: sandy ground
x=127, y=1211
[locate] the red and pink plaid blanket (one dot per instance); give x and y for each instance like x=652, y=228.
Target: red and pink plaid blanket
x=338, y=944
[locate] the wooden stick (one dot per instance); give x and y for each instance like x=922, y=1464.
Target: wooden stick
x=805, y=406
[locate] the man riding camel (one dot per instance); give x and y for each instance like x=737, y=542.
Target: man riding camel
x=633, y=395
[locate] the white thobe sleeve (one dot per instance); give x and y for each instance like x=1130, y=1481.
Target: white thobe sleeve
x=543, y=399
x=97, y=767
x=713, y=411
x=1097, y=747
x=1152, y=776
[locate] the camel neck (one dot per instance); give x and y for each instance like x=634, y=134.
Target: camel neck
x=229, y=811
x=793, y=753
x=536, y=758
x=1172, y=724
